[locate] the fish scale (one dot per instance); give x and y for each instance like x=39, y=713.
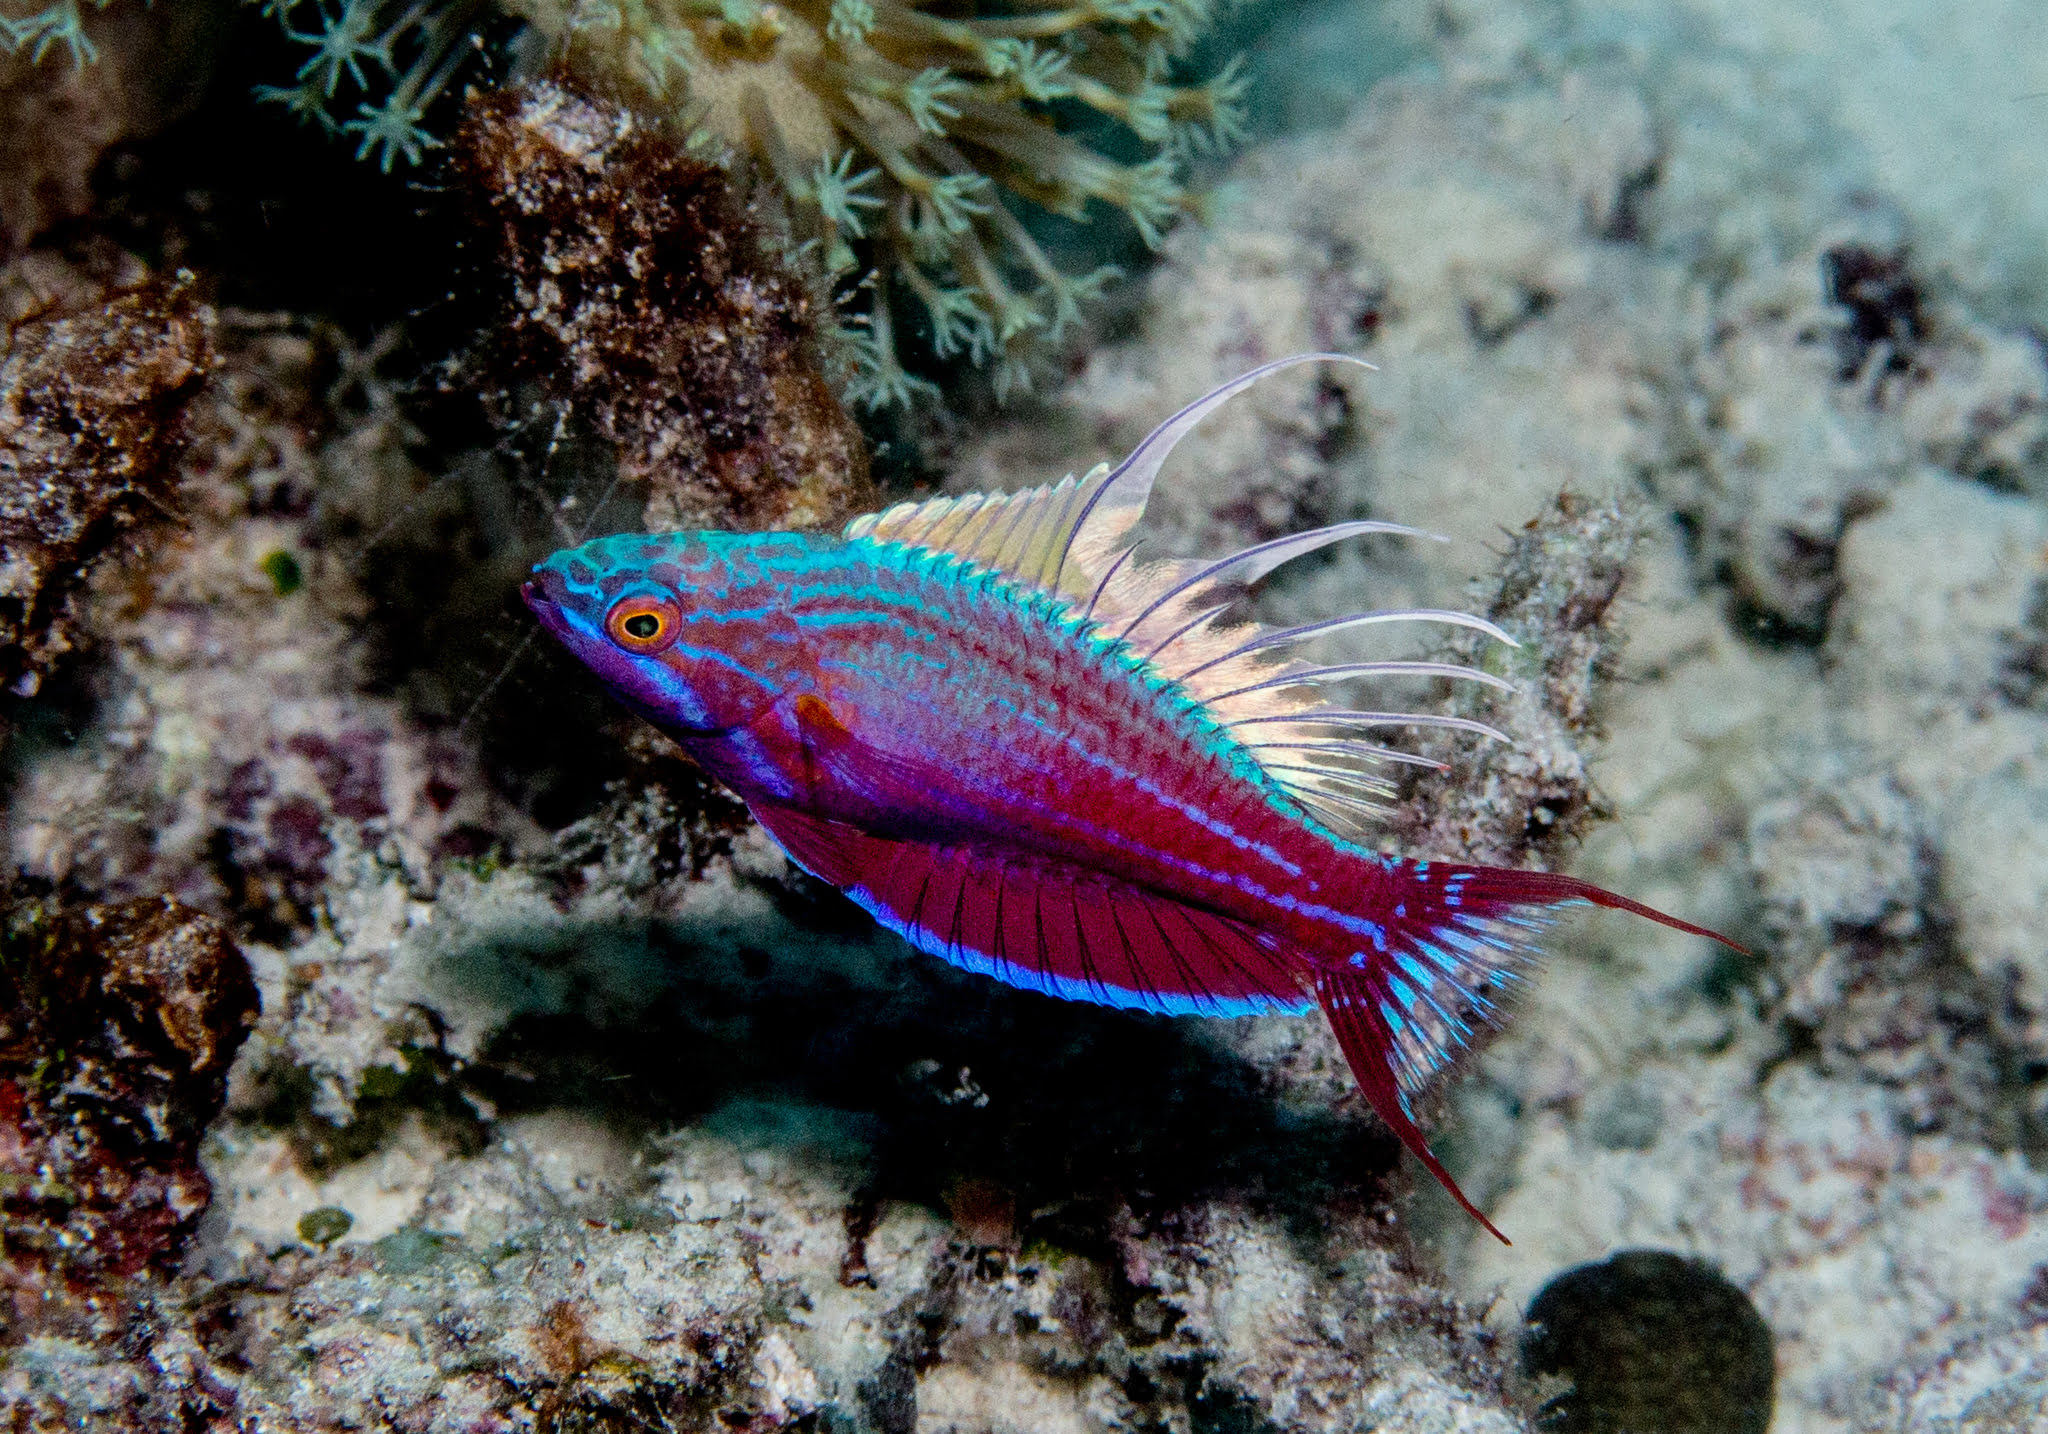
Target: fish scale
x=1024, y=752
x=1064, y=710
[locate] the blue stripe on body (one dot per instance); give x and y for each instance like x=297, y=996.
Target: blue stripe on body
x=887, y=606
x=1073, y=743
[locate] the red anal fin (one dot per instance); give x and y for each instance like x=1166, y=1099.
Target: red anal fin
x=1045, y=925
x=1368, y=1045
x=830, y=851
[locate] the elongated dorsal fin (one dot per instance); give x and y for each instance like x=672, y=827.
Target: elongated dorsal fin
x=1072, y=539
x=1062, y=537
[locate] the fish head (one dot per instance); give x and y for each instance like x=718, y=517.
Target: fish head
x=677, y=625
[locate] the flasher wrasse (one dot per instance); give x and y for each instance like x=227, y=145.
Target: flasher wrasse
x=1039, y=758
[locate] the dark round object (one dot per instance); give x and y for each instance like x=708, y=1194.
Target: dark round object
x=325, y=1225
x=1653, y=1343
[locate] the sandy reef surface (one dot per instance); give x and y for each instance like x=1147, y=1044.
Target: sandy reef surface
x=634, y=1128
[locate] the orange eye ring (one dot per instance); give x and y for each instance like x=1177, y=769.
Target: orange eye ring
x=643, y=625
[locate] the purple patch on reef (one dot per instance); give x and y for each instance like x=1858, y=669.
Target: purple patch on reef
x=247, y=784
x=350, y=769
x=298, y=842
x=465, y=841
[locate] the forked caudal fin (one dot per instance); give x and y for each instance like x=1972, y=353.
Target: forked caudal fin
x=1403, y=987
x=1460, y=937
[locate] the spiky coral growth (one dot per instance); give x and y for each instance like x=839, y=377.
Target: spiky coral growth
x=42, y=30
x=390, y=58
x=904, y=128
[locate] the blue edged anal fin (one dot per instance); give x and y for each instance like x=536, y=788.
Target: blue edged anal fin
x=1048, y=926
x=1367, y=1041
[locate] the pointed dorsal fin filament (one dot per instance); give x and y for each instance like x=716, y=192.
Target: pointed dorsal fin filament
x=1072, y=540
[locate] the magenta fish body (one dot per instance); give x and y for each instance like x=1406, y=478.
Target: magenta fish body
x=1033, y=757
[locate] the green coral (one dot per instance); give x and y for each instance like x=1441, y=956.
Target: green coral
x=386, y=60
x=905, y=132
x=41, y=31
x=372, y=69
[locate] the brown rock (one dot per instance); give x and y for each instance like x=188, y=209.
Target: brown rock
x=90, y=405
x=55, y=119
x=639, y=292
x=117, y=1026
x=1526, y=805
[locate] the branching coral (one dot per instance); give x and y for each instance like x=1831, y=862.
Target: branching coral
x=42, y=30
x=906, y=130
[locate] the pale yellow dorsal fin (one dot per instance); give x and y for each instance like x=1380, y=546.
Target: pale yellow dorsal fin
x=1063, y=538
x=1029, y=535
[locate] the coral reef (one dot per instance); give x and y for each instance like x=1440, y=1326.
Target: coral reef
x=236, y=757
x=54, y=122
x=1557, y=591
x=904, y=132
x=640, y=297
x=732, y=1258
x=1998, y=1386
x=91, y=400
x=75, y=78
x=625, y=1121
x=1821, y=738
x=60, y=23
x=117, y=1027
x=571, y=1105
x=1773, y=475
x=899, y=140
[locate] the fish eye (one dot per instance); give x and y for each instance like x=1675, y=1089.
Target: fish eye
x=642, y=624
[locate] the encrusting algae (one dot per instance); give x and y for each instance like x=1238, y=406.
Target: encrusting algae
x=633, y=288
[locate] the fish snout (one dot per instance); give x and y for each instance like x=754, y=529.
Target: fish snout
x=546, y=595
x=537, y=603
x=546, y=590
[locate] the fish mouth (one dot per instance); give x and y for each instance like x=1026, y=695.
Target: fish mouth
x=545, y=592
x=544, y=606
x=540, y=606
